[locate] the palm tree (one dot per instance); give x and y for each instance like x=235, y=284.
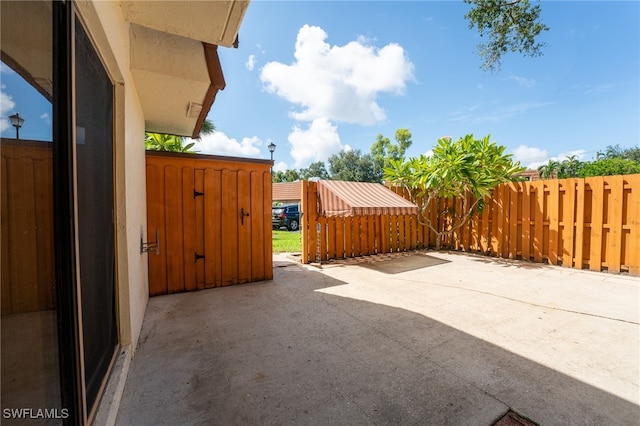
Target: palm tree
x=549, y=170
x=173, y=143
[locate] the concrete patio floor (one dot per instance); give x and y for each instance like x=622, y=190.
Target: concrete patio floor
x=428, y=338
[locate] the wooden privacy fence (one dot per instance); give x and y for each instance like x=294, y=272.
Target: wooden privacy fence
x=589, y=223
x=28, y=275
x=325, y=238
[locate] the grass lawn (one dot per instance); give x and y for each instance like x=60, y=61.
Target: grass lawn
x=287, y=241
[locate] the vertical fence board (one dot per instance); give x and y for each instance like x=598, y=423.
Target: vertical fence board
x=323, y=238
x=267, y=191
x=385, y=235
x=554, y=228
x=614, y=246
x=304, y=220
x=414, y=232
x=259, y=226
x=339, y=242
x=244, y=227
x=331, y=237
x=348, y=243
x=213, y=226
x=580, y=231
x=526, y=221
x=484, y=229
x=173, y=229
x=597, y=203
x=155, y=220
x=199, y=226
x=503, y=221
x=371, y=237
x=513, y=237
x=230, y=227
x=538, y=220
x=568, y=222
x=633, y=221
x=189, y=228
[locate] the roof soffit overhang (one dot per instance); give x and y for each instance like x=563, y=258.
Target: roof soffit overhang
x=174, y=58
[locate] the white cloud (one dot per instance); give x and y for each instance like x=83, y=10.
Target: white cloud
x=530, y=157
x=6, y=106
x=338, y=83
x=578, y=153
x=45, y=117
x=496, y=116
x=533, y=158
x=523, y=81
x=251, y=62
x=220, y=144
x=316, y=143
x=280, y=166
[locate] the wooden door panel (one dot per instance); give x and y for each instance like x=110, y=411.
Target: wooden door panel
x=189, y=228
x=257, y=227
x=212, y=228
x=199, y=226
x=230, y=217
x=197, y=206
x=244, y=229
x=155, y=220
x=173, y=229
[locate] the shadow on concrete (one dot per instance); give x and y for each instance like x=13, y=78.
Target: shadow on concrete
x=517, y=263
x=281, y=352
x=403, y=264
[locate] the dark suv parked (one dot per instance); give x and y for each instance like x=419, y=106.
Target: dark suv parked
x=286, y=216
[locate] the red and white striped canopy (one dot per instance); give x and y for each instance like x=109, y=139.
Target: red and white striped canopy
x=341, y=198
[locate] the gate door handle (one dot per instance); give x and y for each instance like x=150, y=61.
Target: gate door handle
x=242, y=215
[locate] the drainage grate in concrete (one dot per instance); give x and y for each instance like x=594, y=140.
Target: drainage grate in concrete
x=513, y=419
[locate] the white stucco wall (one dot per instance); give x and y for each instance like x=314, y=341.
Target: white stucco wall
x=110, y=33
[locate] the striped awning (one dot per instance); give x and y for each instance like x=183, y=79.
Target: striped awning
x=341, y=198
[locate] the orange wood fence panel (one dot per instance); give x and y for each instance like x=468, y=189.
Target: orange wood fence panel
x=213, y=216
x=27, y=227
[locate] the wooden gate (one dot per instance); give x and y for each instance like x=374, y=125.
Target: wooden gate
x=213, y=220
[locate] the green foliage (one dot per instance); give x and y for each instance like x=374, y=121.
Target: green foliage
x=549, y=170
x=208, y=127
x=162, y=142
x=384, y=150
x=609, y=167
x=353, y=166
x=315, y=170
x=173, y=143
x=456, y=168
x=614, y=161
x=509, y=25
x=569, y=168
x=616, y=151
x=289, y=175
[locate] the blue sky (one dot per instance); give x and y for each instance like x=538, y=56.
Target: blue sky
x=580, y=96
x=317, y=77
